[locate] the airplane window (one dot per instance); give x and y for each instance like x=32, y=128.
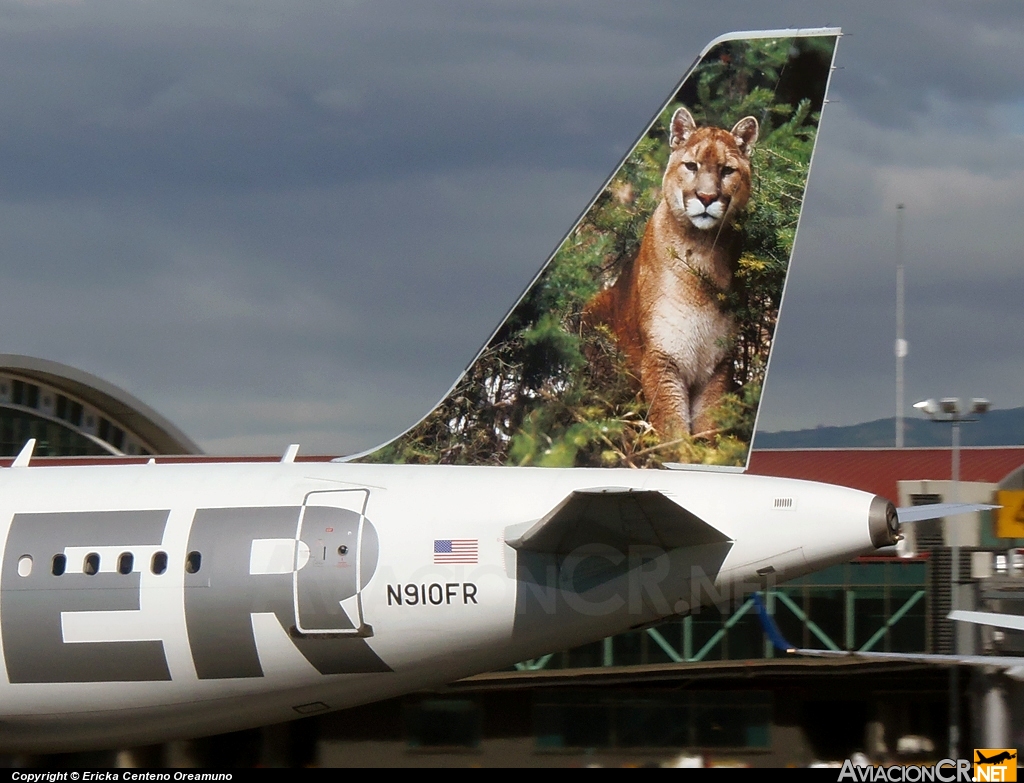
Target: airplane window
x=60, y=562
x=126, y=562
x=25, y=565
x=91, y=566
x=193, y=562
x=159, y=564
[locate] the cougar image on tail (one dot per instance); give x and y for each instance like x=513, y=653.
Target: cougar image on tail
x=666, y=308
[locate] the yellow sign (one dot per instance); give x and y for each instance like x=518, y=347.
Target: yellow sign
x=998, y=764
x=1010, y=522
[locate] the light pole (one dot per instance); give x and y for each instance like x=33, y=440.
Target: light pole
x=947, y=411
x=901, y=341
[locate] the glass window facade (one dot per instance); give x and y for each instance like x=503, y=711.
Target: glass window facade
x=53, y=439
x=26, y=398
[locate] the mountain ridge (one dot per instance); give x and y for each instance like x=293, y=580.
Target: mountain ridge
x=1004, y=427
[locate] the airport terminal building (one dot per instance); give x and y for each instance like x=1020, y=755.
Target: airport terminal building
x=71, y=413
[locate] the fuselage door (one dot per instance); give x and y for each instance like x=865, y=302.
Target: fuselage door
x=335, y=556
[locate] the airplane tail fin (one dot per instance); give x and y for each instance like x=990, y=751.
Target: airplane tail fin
x=645, y=338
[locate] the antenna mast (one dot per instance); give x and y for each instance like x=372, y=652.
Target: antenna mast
x=901, y=342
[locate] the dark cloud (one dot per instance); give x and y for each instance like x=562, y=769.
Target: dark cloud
x=280, y=222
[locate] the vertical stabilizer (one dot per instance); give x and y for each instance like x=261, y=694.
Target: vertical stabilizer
x=645, y=338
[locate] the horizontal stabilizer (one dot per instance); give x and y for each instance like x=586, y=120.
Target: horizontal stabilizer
x=619, y=518
x=1012, y=666
x=1012, y=621
x=938, y=510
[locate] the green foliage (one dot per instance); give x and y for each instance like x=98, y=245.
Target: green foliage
x=548, y=391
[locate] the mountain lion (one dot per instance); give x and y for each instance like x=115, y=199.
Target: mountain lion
x=666, y=307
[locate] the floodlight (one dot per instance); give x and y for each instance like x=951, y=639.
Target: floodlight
x=929, y=406
x=980, y=405
x=950, y=405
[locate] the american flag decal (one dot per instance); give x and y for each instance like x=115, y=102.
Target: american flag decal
x=455, y=550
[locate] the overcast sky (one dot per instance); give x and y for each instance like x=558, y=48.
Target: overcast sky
x=298, y=221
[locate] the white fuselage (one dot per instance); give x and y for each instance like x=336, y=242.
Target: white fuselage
x=289, y=589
